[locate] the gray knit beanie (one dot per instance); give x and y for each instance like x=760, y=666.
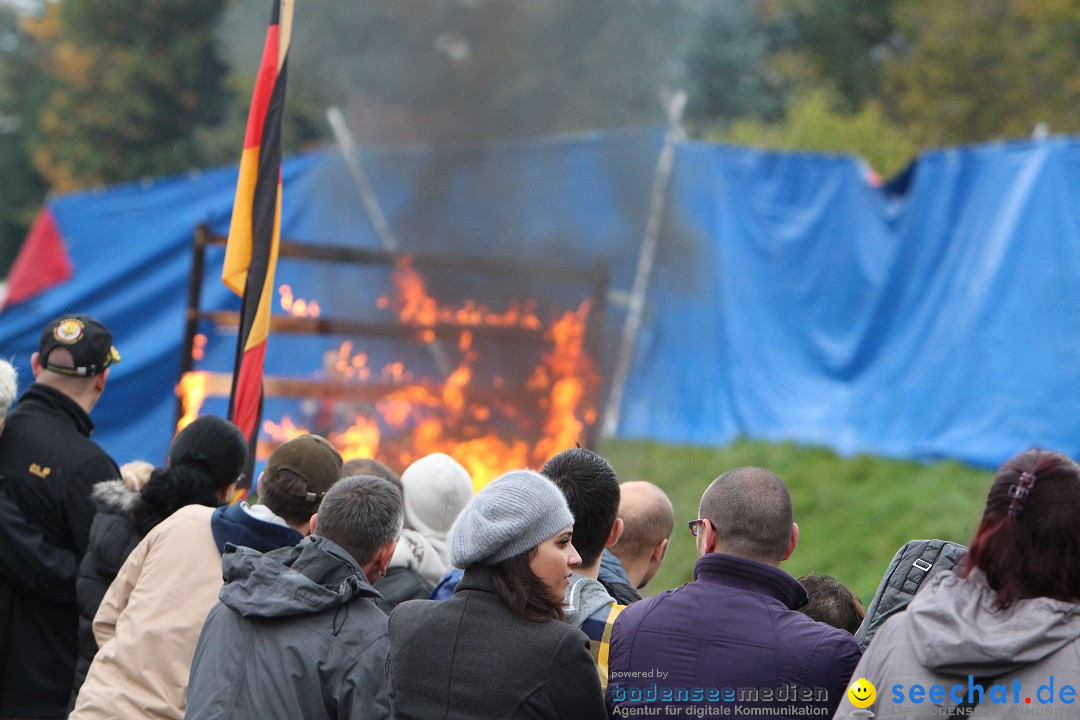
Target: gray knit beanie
x=515, y=513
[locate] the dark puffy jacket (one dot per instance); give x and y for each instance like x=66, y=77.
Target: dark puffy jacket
x=296, y=634
x=734, y=627
x=112, y=538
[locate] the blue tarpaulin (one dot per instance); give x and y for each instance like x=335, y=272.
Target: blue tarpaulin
x=791, y=297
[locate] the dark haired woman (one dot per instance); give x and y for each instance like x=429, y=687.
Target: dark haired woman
x=205, y=459
x=1008, y=619
x=498, y=648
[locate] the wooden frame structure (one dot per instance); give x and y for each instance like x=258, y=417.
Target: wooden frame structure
x=219, y=384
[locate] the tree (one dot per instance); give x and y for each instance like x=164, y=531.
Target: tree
x=727, y=66
x=133, y=79
x=812, y=122
x=975, y=70
x=845, y=41
x=21, y=94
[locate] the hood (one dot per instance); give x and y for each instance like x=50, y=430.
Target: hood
x=114, y=496
x=956, y=630
x=584, y=596
x=305, y=579
x=427, y=556
x=435, y=488
x=233, y=524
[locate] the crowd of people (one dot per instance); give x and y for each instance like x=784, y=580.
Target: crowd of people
x=349, y=590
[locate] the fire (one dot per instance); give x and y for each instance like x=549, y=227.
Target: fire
x=192, y=388
x=415, y=307
x=198, y=346
x=285, y=430
x=297, y=307
x=361, y=440
x=464, y=415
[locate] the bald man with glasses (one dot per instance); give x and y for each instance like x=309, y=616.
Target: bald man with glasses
x=733, y=637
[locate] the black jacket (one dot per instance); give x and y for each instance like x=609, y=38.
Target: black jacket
x=51, y=465
x=471, y=657
x=401, y=584
x=112, y=538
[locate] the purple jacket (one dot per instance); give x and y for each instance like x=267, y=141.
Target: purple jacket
x=730, y=638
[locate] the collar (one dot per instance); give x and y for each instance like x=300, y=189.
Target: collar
x=752, y=576
x=58, y=403
x=612, y=568
x=477, y=577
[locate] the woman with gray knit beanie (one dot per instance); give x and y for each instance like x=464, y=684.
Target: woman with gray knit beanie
x=498, y=647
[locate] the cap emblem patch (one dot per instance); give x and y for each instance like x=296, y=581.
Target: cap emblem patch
x=68, y=331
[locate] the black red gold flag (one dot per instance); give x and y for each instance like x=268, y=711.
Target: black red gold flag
x=255, y=232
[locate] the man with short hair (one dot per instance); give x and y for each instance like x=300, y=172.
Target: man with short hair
x=592, y=491
x=149, y=620
x=49, y=465
x=286, y=613
x=732, y=637
x=648, y=519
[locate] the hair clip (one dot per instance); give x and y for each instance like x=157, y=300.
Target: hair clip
x=1019, y=492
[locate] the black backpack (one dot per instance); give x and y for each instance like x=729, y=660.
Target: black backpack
x=910, y=567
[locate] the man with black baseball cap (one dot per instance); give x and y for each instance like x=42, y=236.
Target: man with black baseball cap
x=50, y=464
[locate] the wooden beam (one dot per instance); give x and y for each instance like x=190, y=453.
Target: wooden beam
x=351, y=328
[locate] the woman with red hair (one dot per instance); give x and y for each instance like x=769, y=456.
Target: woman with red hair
x=999, y=637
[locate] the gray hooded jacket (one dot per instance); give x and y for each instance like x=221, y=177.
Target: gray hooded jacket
x=951, y=632
x=296, y=635
x=584, y=598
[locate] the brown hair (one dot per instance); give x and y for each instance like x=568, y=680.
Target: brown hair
x=522, y=591
x=286, y=496
x=1028, y=543
x=831, y=602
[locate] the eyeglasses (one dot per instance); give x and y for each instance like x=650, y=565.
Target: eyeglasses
x=695, y=527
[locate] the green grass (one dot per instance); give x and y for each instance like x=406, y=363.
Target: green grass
x=853, y=513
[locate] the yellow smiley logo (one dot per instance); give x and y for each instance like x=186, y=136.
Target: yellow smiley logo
x=862, y=693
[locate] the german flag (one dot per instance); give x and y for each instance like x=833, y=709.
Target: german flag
x=252, y=251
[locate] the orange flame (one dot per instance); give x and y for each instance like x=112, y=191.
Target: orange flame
x=451, y=417
x=192, y=391
x=297, y=307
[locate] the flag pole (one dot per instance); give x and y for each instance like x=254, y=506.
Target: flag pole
x=255, y=232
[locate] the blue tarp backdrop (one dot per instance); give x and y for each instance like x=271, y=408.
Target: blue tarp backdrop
x=791, y=299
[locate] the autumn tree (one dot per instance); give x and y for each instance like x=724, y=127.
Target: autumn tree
x=21, y=94
x=975, y=70
x=132, y=82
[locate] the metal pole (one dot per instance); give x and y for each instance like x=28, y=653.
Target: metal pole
x=639, y=290
x=367, y=196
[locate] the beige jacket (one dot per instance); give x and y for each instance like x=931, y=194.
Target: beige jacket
x=150, y=620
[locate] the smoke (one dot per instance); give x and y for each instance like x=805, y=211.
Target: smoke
x=467, y=79
x=462, y=71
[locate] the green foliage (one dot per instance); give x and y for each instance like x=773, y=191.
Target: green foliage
x=727, y=69
x=132, y=81
x=971, y=71
x=812, y=123
x=844, y=40
x=853, y=513
x=21, y=92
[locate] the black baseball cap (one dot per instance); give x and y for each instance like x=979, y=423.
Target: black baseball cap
x=88, y=341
